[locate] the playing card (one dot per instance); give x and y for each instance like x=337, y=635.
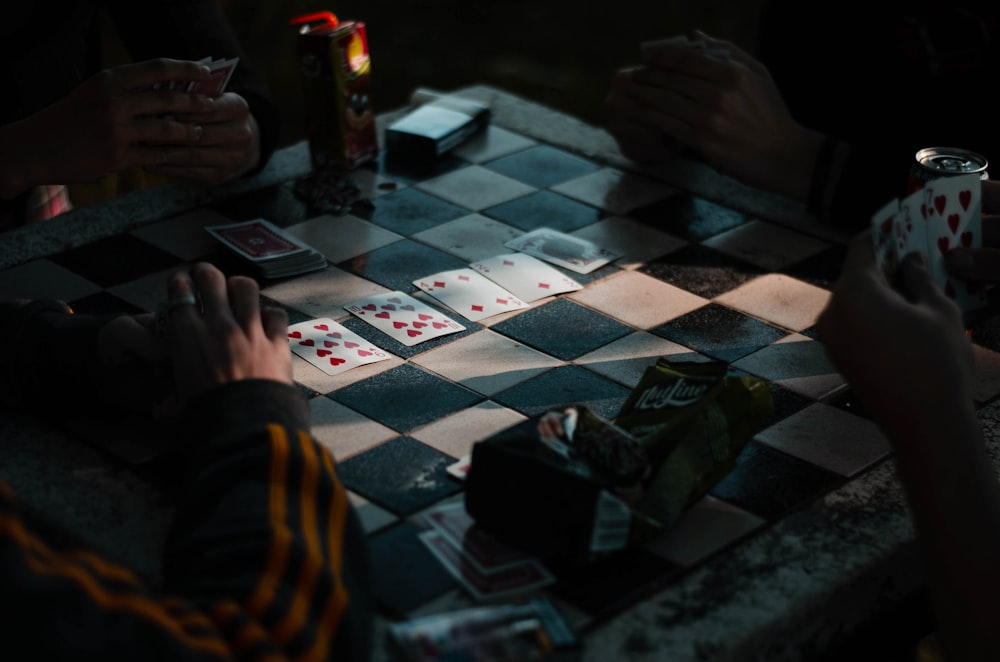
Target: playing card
x=561, y=249
x=273, y=251
x=527, y=277
x=469, y=293
x=403, y=318
x=883, y=237
x=221, y=72
x=486, y=552
x=331, y=347
x=460, y=469
x=954, y=219
x=910, y=226
x=513, y=580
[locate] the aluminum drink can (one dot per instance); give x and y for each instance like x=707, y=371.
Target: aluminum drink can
x=335, y=68
x=933, y=163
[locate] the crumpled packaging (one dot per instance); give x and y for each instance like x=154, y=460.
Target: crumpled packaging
x=571, y=485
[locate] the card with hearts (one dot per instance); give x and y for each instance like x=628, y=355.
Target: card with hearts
x=331, y=347
x=403, y=318
x=469, y=293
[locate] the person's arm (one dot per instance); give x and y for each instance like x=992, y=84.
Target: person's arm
x=906, y=354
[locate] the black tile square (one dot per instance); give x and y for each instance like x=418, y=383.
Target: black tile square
x=821, y=269
x=405, y=574
x=402, y=475
x=397, y=265
x=609, y=585
x=405, y=397
x=542, y=166
x=562, y=387
x=690, y=217
x=702, y=270
x=770, y=484
x=848, y=399
x=785, y=403
x=393, y=346
x=409, y=210
x=278, y=204
x=719, y=332
x=103, y=303
x=114, y=260
x=544, y=209
x=563, y=329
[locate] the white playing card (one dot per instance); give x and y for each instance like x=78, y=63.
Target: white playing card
x=954, y=219
x=469, y=293
x=403, y=318
x=526, y=276
x=331, y=347
x=883, y=236
x=561, y=249
x=910, y=226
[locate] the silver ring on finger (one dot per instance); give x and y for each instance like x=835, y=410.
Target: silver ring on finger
x=182, y=299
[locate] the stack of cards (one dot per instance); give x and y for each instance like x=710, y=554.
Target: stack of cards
x=273, y=252
x=487, y=568
x=221, y=71
x=945, y=214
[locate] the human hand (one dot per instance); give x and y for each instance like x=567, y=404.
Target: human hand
x=729, y=111
x=217, y=332
x=904, y=351
x=228, y=146
x=111, y=122
x=131, y=358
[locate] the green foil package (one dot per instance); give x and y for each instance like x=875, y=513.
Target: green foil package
x=571, y=485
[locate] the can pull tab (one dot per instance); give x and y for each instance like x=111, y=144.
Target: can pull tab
x=326, y=17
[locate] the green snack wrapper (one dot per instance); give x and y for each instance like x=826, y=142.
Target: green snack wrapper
x=572, y=485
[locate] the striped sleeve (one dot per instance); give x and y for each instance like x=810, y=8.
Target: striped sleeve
x=265, y=561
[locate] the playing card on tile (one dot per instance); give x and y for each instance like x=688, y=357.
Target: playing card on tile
x=954, y=219
x=403, y=318
x=561, y=249
x=884, y=238
x=257, y=240
x=469, y=293
x=526, y=276
x=486, y=552
x=331, y=347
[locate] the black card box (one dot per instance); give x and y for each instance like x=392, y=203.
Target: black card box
x=432, y=129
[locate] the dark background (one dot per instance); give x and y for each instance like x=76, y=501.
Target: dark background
x=559, y=53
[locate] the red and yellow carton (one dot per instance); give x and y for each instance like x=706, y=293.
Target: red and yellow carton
x=335, y=68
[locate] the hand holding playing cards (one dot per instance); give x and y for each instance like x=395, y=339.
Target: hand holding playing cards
x=902, y=350
x=711, y=96
x=113, y=121
x=217, y=332
x=228, y=146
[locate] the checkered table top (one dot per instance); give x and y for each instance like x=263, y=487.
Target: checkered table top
x=697, y=281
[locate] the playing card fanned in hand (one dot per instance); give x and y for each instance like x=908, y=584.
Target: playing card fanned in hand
x=563, y=250
x=331, y=347
x=469, y=293
x=403, y=318
x=274, y=252
x=221, y=70
x=945, y=214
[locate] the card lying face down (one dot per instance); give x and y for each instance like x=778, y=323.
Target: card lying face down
x=945, y=214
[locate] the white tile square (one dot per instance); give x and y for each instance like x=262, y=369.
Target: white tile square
x=343, y=431
x=637, y=243
x=312, y=377
x=185, y=235
x=706, y=527
x=796, y=362
x=456, y=434
x=372, y=184
x=339, y=238
x=614, y=190
x=626, y=359
x=491, y=144
x=323, y=293
x=637, y=299
x=475, y=187
x=486, y=362
x=474, y=237
x=147, y=292
x=779, y=299
x=44, y=279
x=828, y=437
x=766, y=245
